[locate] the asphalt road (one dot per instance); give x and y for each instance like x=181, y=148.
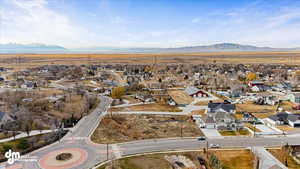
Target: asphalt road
x=137, y=147
x=79, y=137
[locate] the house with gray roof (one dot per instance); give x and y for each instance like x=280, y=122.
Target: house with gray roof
x=220, y=116
x=221, y=107
x=284, y=118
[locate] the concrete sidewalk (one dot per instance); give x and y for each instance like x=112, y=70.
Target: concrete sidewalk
x=266, y=159
x=150, y=112
x=24, y=135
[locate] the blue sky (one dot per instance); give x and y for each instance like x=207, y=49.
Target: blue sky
x=150, y=23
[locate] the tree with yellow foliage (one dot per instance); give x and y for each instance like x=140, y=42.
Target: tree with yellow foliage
x=251, y=76
x=117, y=92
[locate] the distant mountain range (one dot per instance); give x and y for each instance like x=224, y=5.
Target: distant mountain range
x=30, y=48
x=41, y=48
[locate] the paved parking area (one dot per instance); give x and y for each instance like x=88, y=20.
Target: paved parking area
x=211, y=133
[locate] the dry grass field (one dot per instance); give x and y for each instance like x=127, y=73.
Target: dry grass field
x=33, y=60
x=259, y=111
x=155, y=107
x=254, y=108
x=198, y=112
x=123, y=128
x=205, y=103
x=180, y=97
x=286, y=128
x=231, y=159
x=279, y=154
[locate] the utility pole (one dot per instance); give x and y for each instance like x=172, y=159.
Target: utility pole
x=107, y=152
x=207, y=149
x=254, y=128
x=181, y=130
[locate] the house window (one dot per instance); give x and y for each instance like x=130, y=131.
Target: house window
x=297, y=99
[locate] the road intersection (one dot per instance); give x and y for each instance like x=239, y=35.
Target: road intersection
x=90, y=154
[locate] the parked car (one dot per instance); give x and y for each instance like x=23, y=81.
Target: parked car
x=214, y=146
x=201, y=139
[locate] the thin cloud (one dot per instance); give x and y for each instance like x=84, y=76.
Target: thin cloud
x=31, y=22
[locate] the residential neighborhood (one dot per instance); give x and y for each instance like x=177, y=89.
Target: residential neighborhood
x=149, y=84
x=161, y=102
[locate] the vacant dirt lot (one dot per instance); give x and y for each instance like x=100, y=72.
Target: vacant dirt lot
x=147, y=107
x=231, y=159
x=123, y=128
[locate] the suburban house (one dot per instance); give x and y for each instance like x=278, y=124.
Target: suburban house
x=221, y=107
x=284, y=118
x=195, y=92
x=210, y=122
x=294, y=97
x=247, y=117
x=260, y=88
x=28, y=85
x=144, y=97
x=237, y=92
x=256, y=83
x=220, y=120
x=219, y=116
x=267, y=100
x=282, y=87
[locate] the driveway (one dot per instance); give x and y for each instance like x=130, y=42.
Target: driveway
x=265, y=130
x=211, y=133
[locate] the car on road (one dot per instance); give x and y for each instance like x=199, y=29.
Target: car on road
x=214, y=146
x=201, y=138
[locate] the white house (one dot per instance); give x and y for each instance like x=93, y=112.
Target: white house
x=284, y=118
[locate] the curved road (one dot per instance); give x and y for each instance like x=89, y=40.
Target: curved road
x=79, y=138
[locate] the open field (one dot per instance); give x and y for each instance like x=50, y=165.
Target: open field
x=198, y=112
x=122, y=128
x=259, y=111
x=147, y=107
x=285, y=128
x=231, y=159
x=180, y=97
x=205, y=103
x=279, y=154
x=254, y=108
x=32, y=60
